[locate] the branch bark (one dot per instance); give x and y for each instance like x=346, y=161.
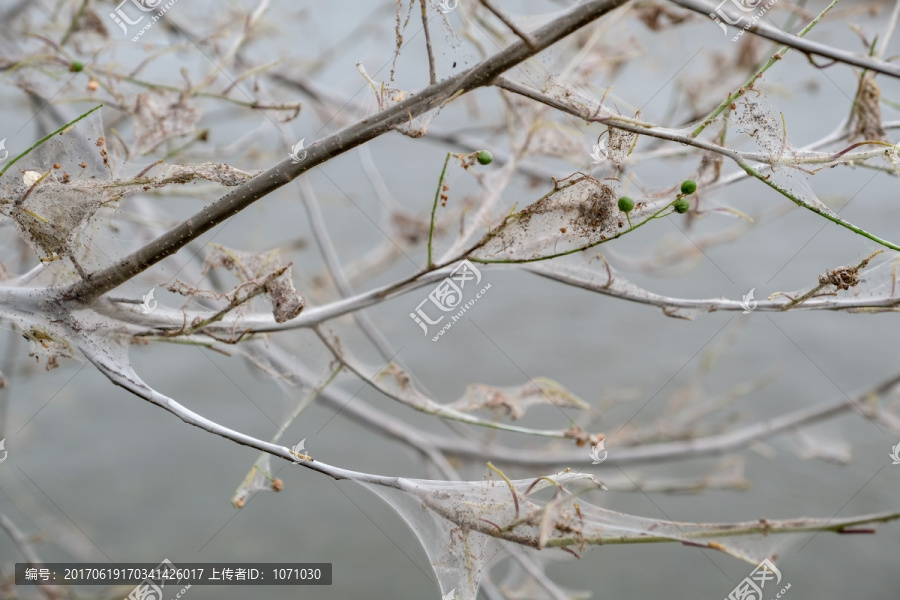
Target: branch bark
x=763, y=29
x=431, y=98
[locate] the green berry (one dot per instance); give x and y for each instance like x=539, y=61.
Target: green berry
x=682, y=205
x=76, y=67
x=485, y=157
x=626, y=204
x=688, y=187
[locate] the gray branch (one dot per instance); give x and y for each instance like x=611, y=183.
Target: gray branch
x=763, y=29
x=431, y=98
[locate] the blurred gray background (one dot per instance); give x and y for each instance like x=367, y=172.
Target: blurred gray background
x=97, y=469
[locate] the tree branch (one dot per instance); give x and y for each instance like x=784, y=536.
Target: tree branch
x=431, y=98
x=763, y=29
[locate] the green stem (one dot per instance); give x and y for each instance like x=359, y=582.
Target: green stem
x=804, y=204
x=772, y=60
x=437, y=196
x=47, y=137
x=74, y=22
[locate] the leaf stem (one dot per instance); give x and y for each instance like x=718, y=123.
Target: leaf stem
x=47, y=137
x=804, y=204
x=658, y=214
x=772, y=60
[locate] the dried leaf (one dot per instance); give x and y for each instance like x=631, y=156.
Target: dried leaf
x=514, y=401
x=286, y=301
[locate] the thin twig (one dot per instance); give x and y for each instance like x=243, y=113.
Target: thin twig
x=739, y=157
x=749, y=83
x=507, y=20
x=763, y=29
x=28, y=552
x=428, y=99
x=47, y=137
x=74, y=23
x=432, y=72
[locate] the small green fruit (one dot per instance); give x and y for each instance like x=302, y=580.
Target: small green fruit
x=485, y=157
x=682, y=205
x=76, y=67
x=688, y=187
x=626, y=204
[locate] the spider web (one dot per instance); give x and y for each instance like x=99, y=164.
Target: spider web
x=459, y=523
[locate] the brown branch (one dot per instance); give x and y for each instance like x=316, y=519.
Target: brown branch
x=508, y=22
x=432, y=72
x=763, y=29
x=431, y=98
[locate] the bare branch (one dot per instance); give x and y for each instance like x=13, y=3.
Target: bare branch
x=500, y=14
x=28, y=552
x=432, y=73
x=431, y=98
x=763, y=29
